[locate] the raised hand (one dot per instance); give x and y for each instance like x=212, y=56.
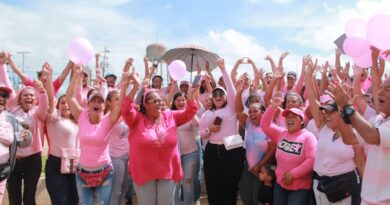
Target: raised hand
x=135, y=77
x=221, y=64
x=357, y=70
x=338, y=52
x=268, y=58
x=340, y=94
x=39, y=86
x=146, y=60
x=277, y=99
x=128, y=64
x=284, y=55
x=145, y=83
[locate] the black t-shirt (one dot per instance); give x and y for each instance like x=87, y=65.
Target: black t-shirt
x=266, y=194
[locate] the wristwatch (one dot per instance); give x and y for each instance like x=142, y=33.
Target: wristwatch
x=348, y=110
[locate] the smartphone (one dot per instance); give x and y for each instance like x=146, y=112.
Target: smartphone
x=197, y=81
x=217, y=121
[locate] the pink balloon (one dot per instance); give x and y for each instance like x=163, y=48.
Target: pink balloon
x=177, y=69
x=378, y=31
x=355, y=46
x=80, y=50
x=364, y=61
x=356, y=28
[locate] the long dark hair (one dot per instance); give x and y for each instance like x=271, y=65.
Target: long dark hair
x=108, y=98
x=157, y=76
x=177, y=95
x=58, y=105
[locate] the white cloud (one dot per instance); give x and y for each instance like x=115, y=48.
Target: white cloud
x=316, y=25
x=282, y=1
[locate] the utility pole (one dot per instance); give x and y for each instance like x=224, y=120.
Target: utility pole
x=105, y=60
x=23, y=53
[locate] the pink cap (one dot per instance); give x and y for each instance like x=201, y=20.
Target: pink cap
x=295, y=111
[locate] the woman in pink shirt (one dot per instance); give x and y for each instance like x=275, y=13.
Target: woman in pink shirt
x=119, y=150
x=94, y=175
x=155, y=160
x=188, y=135
x=29, y=107
x=62, y=133
x=222, y=168
x=295, y=153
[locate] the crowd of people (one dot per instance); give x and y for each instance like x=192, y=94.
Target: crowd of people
x=267, y=138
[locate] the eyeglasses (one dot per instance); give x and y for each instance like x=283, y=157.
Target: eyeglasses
x=4, y=95
x=156, y=100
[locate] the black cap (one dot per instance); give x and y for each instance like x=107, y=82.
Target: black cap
x=329, y=106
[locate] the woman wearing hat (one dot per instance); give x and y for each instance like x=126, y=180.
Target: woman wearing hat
x=30, y=108
x=334, y=159
x=295, y=153
x=222, y=167
x=95, y=173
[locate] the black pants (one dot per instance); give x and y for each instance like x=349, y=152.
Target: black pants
x=222, y=171
x=27, y=169
x=61, y=187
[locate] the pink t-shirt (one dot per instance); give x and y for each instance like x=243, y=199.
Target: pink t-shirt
x=295, y=152
x=94, y=141
x=376, y=180
x=119, y=144
x=6, y=136
x=227, y=113
x=62, y=133
x=188, y=133
x=154, y=150
x=333, y=157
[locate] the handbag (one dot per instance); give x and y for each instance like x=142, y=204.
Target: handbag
x=70, y=159
x=233, y=141
x=94, y=178
x=338, y=187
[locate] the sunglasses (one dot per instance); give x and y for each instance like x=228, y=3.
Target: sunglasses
x=4, y=95
x=218, y=93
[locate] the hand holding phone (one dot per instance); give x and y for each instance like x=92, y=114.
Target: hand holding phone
x=217, y=121
x=196, y=81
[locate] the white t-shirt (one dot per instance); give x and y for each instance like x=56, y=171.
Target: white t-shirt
x=376, y=179
x=333, y=157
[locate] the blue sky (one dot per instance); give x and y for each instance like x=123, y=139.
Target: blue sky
x=232, y=29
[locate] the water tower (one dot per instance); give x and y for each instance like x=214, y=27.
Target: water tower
x=155, y=52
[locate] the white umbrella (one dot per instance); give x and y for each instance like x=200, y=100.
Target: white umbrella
x=192, y=56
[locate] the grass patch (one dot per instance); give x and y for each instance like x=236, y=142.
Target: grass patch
x=44, y=159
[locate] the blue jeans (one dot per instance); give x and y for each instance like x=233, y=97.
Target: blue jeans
x=119, y=186
x=103, y=192
x=61, y=187
x=288, y=197
x=189, y=163
x=249, y=187
x=198, y=178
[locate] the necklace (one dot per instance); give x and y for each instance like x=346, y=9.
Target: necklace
x=336, y=135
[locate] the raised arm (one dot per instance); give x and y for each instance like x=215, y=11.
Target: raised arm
x=233, y=74
x=212, y=79
x=299, y=86
x=183, y=116
x=125, y=80
x=146, y=65
x=48, y=72
x=239, y=106
x=357, y=91
x=74, y=106
x=43, y=101
x=312, y=97
x=324, y=79
x=270, y=129
x=231, y=91
x=23, y=77
x=272, y=63
x=57, y=83
x=270, y=89
x=368, y=131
